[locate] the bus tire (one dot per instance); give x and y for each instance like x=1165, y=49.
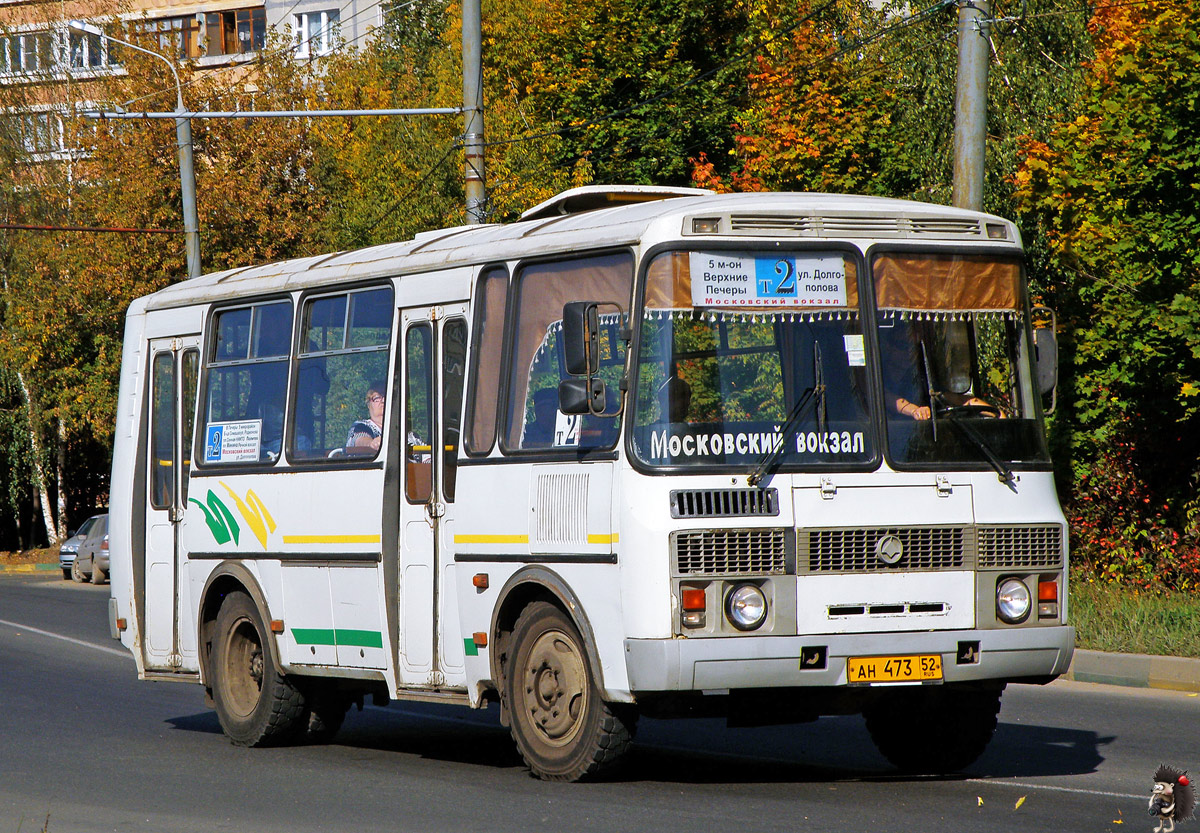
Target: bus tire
x=256, y=705
x=933, y=731
x=562, y=727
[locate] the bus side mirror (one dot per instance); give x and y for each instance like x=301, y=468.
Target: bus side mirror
x=1045, y=348
x=581, y=338
x=582, y=396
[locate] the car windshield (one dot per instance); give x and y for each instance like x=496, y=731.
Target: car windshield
x=735, y=345
x=954, y=360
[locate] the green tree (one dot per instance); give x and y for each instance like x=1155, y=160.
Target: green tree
x=1113, y=191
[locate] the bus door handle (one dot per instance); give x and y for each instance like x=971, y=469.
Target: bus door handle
x=435, y=509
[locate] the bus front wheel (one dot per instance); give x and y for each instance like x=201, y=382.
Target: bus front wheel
x=934, y=730
x=562, y=727
x=256, y=705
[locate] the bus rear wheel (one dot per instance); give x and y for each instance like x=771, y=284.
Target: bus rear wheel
x=934, y=731
x=256, y=705
x=562, y=727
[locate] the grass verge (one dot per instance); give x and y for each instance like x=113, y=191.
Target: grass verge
x=1109, y=617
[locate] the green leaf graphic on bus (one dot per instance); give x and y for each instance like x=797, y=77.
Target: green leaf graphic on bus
x=219, y=519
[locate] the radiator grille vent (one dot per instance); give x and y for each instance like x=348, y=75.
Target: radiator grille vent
x=724, y=503
x=730, y=552
x=858, y=550
x=852, y=226
x=1008, y=547
x=775, y=223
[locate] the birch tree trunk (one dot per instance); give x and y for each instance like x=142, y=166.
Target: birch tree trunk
x=61, y=461
x=39, y=474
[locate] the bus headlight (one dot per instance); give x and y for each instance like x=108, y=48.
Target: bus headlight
x=1012, y=601
x=746, y=607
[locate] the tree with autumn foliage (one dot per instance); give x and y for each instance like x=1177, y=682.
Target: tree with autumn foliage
x=1113, y=193
x=64, y=294
x=853, y=96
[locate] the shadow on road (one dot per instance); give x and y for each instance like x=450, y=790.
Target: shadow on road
x=697, y=751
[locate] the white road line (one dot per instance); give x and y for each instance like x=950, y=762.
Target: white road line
x=1026, y=786
x=92, y=645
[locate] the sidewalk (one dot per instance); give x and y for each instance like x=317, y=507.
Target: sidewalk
x=1134, y=670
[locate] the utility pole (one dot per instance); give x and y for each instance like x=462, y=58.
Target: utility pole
x=970, y=102
x=472, y=61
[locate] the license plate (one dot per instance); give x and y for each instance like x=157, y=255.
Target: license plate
x=909, y=669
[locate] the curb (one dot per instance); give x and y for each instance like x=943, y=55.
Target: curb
x=1131, y=670
x=1135, y=670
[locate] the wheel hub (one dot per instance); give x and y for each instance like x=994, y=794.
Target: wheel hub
x=555, y=687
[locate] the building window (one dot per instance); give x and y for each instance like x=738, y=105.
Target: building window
x=315, y=32
x=235, y=32
x=26, y=54
x=40, y=133
x=178, y=36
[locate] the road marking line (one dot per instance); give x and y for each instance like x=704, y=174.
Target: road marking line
x=1027, y=786
x=73, y=641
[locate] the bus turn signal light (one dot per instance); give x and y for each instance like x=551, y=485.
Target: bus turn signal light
x=693, y=598
x=1048, y=598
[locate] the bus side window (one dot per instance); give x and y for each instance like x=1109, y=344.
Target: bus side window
x=491, y=307
x=454, y=362
x=537, y=361
x=418, y=413
x=246, y=383
x=162, y=431
x=342, y=368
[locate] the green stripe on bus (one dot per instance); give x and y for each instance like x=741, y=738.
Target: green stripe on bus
x=470, y=648
x=342, y=636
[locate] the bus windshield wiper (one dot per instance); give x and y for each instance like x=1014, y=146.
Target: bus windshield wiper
x=961, y=425
x=816, y=395
x=937, y=400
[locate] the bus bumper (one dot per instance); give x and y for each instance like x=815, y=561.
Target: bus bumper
x=720, y=663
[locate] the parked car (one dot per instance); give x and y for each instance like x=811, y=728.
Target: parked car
x=91, y=559
x=66, y=552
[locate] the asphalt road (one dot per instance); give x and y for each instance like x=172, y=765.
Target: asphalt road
x=85, y=747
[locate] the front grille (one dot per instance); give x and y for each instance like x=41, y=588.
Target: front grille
x=1008, y=547
x=858, y=550
x=730, y=552
x=724, y=503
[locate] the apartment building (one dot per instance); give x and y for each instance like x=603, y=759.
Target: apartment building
x=46, y=65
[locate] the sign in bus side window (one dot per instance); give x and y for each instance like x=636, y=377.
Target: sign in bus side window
x=246, y=384
x=341, y=376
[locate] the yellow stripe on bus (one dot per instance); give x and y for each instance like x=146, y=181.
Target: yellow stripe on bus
x=332, y=539
x=523, y=539
x=491, y=539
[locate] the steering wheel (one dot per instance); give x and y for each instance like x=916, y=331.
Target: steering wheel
x=972, y=410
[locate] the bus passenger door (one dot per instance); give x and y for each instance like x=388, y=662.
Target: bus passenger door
x=434, y=362
x=169, y=635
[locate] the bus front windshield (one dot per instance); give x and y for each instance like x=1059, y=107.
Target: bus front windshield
x=741, y=351
x=742, y=354
x=957, y=379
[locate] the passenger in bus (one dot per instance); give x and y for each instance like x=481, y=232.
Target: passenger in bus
x=540, y=432
x=366, y=435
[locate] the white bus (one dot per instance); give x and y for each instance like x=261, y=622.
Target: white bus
x=646, y=451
